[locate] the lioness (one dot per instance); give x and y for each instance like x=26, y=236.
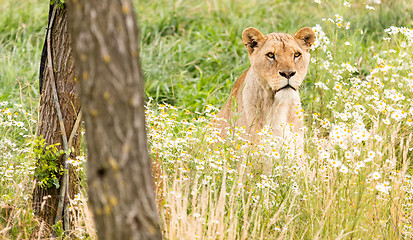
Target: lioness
x=267, y=92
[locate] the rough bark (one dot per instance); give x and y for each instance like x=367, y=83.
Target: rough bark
x=121, y=191
x=45, y=199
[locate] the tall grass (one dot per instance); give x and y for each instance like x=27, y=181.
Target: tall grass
x=351, y=181
x=22, y=25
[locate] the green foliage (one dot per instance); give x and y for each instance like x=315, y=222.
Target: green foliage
x=22, y=32
x=49, y=166
x=60, y=3
x=58, y=229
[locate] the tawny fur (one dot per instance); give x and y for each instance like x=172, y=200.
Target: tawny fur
x=259, y=96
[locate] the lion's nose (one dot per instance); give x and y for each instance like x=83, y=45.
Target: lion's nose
x=287, y=74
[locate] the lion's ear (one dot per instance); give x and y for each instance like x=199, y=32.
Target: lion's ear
x=252, y=39
x=305, y=37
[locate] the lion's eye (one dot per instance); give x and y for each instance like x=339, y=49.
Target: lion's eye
x=270, y=55
x=297, y=54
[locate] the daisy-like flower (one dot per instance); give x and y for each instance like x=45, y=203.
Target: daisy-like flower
x=348, y=154
x=375, y=175
x=360, y=135
x=369, y=7
x=338, y=18
x=324, y=154
x=371, y=154
x=77, y=199
x=398, y=114
x=383, y=188
x=346, y=4
x=360, y=164
x=378, y=137
x=325, y=123
x=274, y=153
x=386, y=121
x=335, y=163
x=321, y=84
x=343, y=169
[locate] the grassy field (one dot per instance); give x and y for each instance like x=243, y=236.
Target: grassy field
x=353, y=179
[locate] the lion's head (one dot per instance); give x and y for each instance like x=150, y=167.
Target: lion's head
x=279, y=60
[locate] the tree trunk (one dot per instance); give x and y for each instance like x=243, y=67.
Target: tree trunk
x=45, y=200
x=121, y=190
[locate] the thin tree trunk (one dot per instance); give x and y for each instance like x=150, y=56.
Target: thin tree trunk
x=45, y=200
x=121, y=190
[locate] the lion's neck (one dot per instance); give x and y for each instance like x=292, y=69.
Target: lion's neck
x=264, y=107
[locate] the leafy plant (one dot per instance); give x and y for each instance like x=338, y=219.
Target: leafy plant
x=49, y=167
x=60, y=3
